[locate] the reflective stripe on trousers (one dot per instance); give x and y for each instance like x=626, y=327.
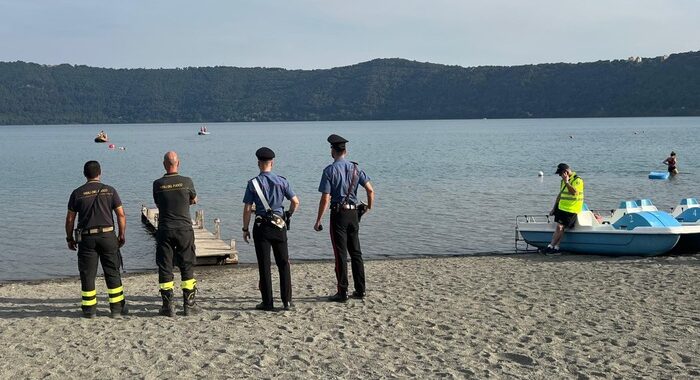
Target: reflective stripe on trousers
x=89, y=297
x=189, y=284
x=116, y=294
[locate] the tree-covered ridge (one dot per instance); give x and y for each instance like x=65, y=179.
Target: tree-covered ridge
x=380, y=89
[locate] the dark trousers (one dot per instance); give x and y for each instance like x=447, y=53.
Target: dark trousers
x=102, y=247
x=175, y=248
x=345, y=237
x=268, y=237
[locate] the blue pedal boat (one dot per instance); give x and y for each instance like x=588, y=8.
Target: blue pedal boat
x=688, y=214
x=630, y=231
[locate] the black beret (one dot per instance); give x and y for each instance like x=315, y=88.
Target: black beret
x=337, y=141
x=264, y=154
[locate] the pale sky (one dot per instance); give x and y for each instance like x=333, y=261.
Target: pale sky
x=310, y=34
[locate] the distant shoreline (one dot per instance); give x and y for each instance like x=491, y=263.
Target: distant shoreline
x=381, y=89
x=199, y=123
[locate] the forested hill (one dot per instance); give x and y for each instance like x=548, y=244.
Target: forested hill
x=380, y=89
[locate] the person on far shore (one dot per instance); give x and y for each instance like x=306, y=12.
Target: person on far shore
x=672, y=163
x=93, y=203
x=568, y=204
x=339, y=183
x=173, y=194
x=267, y=191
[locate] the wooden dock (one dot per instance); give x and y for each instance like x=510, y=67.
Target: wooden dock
x=209, y=248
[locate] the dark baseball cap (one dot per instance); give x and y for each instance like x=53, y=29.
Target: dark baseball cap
x=561, y=168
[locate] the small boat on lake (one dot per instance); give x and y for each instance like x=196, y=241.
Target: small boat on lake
x=101, y=137
x=203, y=131
x=631, y=230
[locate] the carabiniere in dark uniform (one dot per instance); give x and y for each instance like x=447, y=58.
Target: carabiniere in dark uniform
x=339, y=184
x=270, y=228
x=95, y=240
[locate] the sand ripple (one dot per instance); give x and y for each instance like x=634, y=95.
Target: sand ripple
x=469, y=317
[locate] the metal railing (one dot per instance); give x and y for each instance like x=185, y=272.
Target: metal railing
x=217, y=228
x=522, y=246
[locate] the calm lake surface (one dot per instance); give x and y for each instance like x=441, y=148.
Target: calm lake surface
x=443, y=187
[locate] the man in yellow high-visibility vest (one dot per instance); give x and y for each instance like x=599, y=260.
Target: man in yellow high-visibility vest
x=568, y=204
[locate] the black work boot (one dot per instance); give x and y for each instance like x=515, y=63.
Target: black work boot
x=338, y=297
x=358, y=295
x=89, y=311
x=190, y=304
x=118, y=309
x=262, y=306
x=168, y=308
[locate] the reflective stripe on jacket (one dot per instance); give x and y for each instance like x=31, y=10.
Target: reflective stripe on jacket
x=570, y=202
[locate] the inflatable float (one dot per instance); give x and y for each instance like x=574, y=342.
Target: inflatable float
x=658, y=175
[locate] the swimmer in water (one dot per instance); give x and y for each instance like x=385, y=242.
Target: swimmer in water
x=672, y=162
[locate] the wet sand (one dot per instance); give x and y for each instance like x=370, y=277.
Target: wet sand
x=526, y=316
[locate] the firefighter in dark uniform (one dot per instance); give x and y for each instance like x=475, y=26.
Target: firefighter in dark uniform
x=339, y=184
x=93, y=204
x=270, y=227
x=173, y=194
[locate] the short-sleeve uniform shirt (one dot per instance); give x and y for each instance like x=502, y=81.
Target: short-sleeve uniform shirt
x=275, y=188
x=81, y=202
x=172, y=194
x=336, y=180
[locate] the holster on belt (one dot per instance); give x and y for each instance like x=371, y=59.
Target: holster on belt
x=361, y=210
x=288, y=219
x=273, y=220
x=78, y=235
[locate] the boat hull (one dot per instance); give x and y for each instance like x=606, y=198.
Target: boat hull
x=605, y=243
x=690, y=239
x=688, y=243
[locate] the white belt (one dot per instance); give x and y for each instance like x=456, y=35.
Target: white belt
x=343, y=206
x=98, y=230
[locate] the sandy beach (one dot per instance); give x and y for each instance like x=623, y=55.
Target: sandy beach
x=524, y=316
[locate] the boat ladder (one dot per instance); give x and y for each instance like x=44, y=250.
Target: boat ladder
x=521, y=246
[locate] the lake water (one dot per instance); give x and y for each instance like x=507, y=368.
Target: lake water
x=443, y=187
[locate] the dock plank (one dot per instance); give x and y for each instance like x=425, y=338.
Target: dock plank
x=207, y=245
